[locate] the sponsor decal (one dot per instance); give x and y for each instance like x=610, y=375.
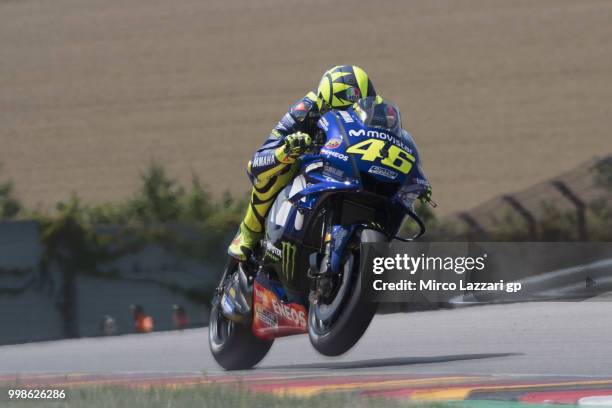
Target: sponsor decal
x=266, y=317
x=418, y=180
x=259, y=296
x=332, y=171
x=381, y=171
x=288, y=253
x=353, y=94
x=331, y=153
x=333, y=143
x=272, y=251
x=300, y=111
x=263, y=160
x=324, y=124
x=346, y=116
x=289, y=313
x=380, y=135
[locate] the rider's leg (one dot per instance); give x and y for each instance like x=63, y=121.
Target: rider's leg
x=262, y=197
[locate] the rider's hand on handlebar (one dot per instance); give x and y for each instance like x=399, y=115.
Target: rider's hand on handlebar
x=426, y=197
x=296, y=144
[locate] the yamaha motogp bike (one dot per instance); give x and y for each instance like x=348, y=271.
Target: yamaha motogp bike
x=304, y=276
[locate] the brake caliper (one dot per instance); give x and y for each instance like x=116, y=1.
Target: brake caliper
x=327, y=268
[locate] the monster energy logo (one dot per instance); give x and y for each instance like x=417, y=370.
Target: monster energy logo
x=289, y=251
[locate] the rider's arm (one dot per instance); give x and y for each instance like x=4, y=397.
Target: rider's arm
x=265, y=164
x=269, y=159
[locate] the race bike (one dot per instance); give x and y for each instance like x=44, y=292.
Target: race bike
x=357, y=187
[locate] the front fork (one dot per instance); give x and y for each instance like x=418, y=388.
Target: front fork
x=326, y=267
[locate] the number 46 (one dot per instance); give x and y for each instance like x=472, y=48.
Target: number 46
x=397, y=158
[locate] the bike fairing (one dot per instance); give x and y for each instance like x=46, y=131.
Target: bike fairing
x=351, y=150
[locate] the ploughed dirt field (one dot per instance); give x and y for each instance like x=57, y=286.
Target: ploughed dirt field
x=498, y=94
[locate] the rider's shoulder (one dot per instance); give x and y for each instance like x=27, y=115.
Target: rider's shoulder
x=306, y=106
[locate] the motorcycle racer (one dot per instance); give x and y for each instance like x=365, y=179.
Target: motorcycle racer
x=274, y=164
x=359, y=186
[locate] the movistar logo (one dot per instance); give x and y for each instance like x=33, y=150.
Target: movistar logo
x=381, y=136
x=289, y=250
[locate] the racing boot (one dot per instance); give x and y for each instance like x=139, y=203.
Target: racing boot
x=243, y=243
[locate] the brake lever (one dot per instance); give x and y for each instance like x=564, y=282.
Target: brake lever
x=432, y=203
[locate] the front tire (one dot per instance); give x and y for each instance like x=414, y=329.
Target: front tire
x=233, y=345
x=340, y=334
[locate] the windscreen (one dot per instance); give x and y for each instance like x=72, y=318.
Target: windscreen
x=378, y=113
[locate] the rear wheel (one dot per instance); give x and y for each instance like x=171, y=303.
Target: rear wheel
x=334, y=326
x=233, y=345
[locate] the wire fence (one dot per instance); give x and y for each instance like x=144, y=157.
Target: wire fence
x=580, y=199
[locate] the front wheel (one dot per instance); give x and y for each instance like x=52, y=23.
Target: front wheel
x=336, y=326
x=232, y=344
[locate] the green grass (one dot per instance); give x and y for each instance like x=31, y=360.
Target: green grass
x=203, y=397
x=211, y=396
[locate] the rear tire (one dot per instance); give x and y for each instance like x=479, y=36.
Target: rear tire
x=233, y=345
x=355, y=317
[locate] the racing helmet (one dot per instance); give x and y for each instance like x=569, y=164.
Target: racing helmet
x=342, y=86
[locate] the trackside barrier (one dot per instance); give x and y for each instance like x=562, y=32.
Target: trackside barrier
x=570, y=193
x=573, y=283
x=42, y=299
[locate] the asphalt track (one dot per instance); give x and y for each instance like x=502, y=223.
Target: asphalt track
x=573, y=338
x=529, y=346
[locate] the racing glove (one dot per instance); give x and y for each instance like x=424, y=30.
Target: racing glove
x=295, y=145
x=426, y=198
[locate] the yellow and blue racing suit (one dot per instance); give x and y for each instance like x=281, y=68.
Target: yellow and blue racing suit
x=269, y=174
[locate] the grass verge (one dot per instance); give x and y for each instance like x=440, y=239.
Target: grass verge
x=204, y=396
